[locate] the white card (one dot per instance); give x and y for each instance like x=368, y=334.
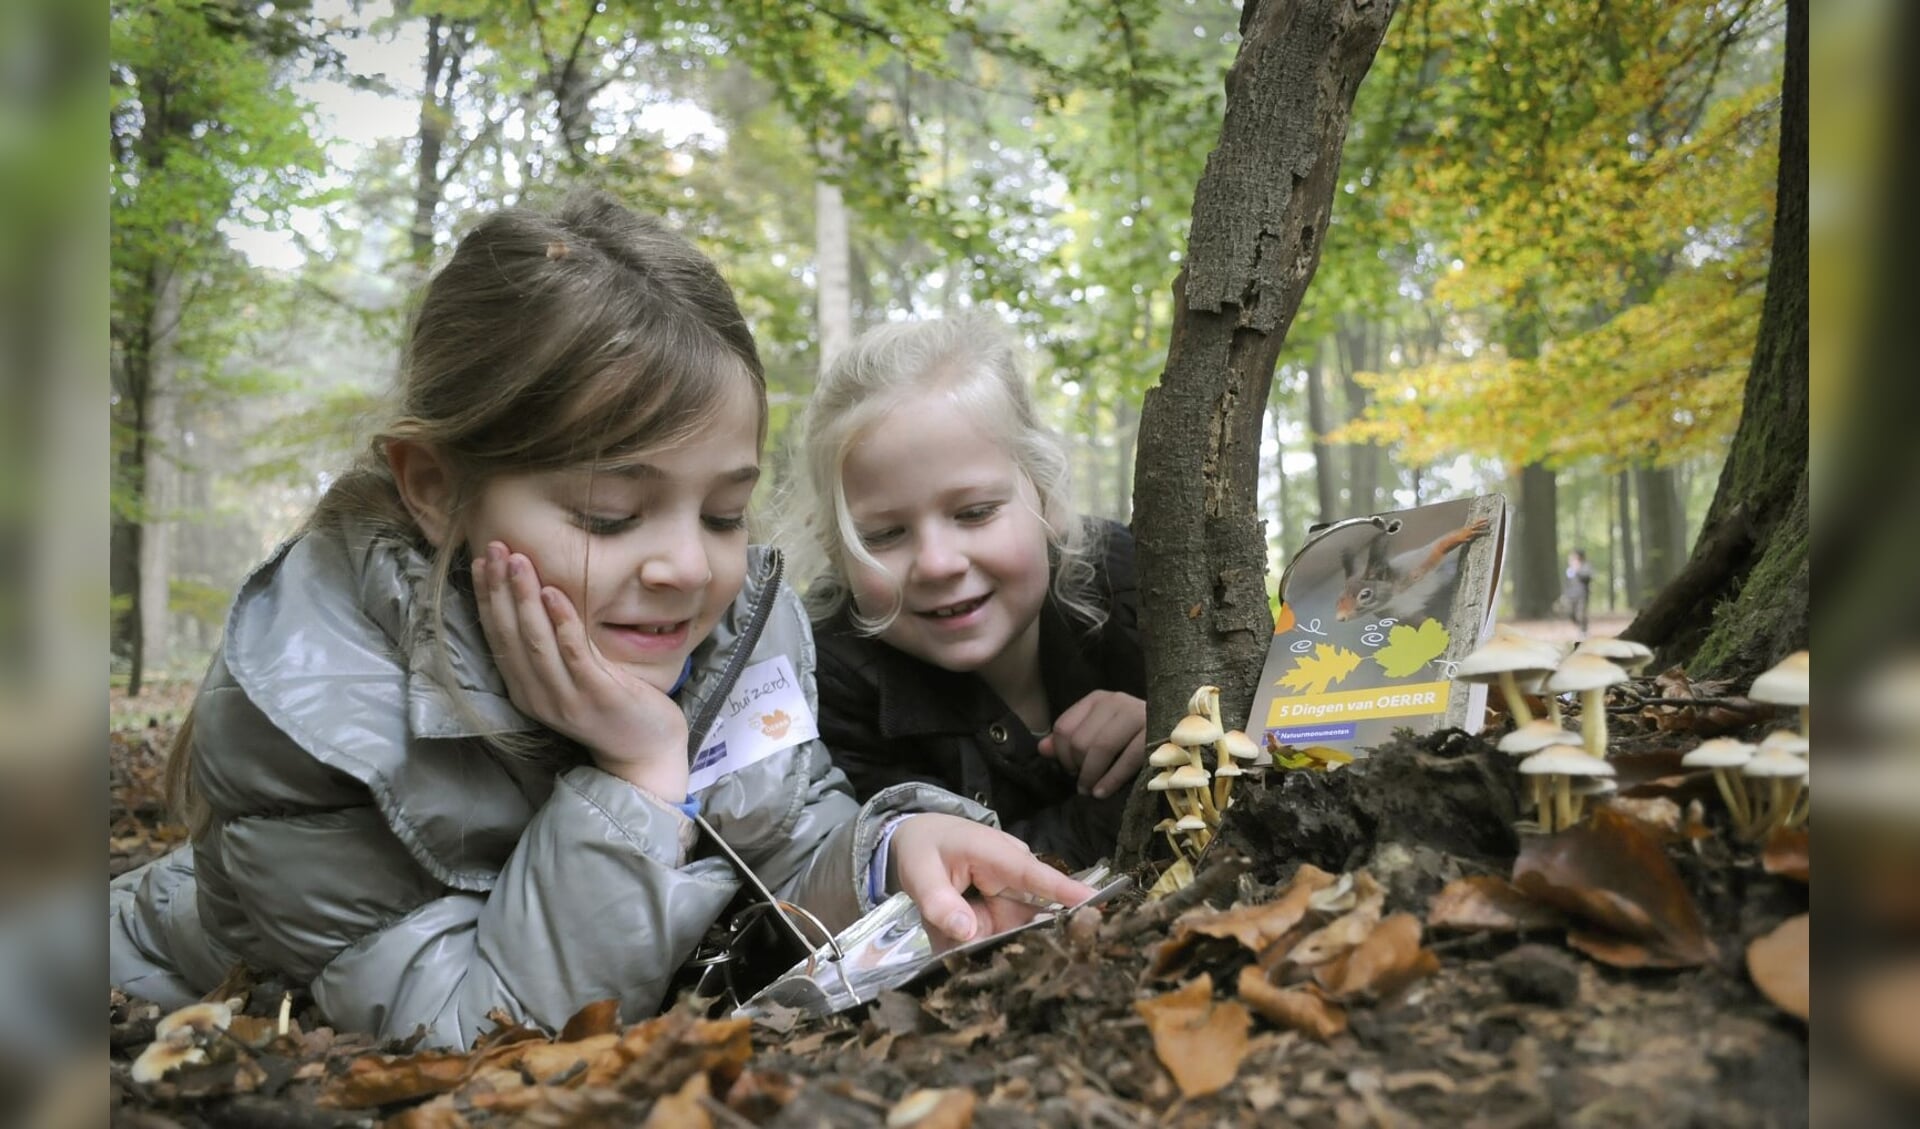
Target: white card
x=765, y=713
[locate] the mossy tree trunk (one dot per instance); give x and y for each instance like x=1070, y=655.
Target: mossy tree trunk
x=1259, y=215
x=1741, y=601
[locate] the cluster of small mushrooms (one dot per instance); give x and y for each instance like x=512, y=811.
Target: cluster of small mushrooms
x=1196, y=795
x=1763, y=785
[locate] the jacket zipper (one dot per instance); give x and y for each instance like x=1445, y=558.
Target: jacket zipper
x=749, y=639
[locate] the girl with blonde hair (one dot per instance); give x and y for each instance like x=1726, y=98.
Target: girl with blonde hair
x=974, y=631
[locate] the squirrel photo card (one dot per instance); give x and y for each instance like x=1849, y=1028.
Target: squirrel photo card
x=1375, y=612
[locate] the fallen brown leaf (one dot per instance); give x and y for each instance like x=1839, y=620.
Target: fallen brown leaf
x=1778, y=963
x=1657, y=812
x=1489, y=902
x=1254, y=926
x=1339, y=935
x=1298, y=1009
x=1786, y=854
x=436, y=1114
x=1389, y=959
x=759, y=1094
x=933, y=1109
x=685, y=1108
x=1198, y=1039
x=374, y=1080
x=1724, y=713
x=599, y=1018
x=1614, y=878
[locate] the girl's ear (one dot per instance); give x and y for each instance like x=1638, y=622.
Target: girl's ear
x=426, y=486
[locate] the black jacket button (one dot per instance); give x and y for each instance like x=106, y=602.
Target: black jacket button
x=998, y=733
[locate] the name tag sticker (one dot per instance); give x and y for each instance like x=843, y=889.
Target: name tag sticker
x=765, y=713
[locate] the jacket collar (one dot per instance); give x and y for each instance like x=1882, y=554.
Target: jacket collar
x=919, y=699
x=332, y=640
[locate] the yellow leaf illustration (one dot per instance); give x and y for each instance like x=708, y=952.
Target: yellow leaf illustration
x=1410, y=648
x=1325, y=667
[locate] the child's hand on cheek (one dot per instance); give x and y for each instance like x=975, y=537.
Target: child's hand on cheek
x=555, y=675
x=1102, y=738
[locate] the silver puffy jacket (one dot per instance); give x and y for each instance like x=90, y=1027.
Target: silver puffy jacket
x=365, y=841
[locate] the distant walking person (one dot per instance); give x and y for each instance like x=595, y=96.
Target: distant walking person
x=1578, y=586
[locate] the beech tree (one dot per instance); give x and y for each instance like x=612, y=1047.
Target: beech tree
x=1259, y=218
x=1741, y=601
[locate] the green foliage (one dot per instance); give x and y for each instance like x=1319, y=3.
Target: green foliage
x=206, y=603
x=1596, y=179
x=203, y=131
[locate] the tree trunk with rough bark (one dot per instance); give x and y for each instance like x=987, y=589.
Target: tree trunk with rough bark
x=1629, y=563
x=1259, y=215
x=1741, y=602
x=1537, y=569
x=1663, y=525
x=1324, y=470
x=832, y=262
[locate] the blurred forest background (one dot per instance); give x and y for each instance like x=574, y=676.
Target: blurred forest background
x=1543, y=276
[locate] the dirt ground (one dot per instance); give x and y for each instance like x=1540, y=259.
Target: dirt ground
x=1511, y=1030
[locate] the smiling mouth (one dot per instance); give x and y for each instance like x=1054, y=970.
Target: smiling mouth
x=651, y=634
x=953, y=611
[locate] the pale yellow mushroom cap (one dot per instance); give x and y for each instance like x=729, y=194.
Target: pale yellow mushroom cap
x=1721, y=752
x=1161, y=782
x=1788, y=683
x=1767, y=764
x=1229, y=769
x=1189, y=776
x=1785, y=741
x=1534, y=736
x=1239, y=745
x=1580, y=672
x=167, y=1054
x=1503, y=655
x=1168, y=755
x=1202, y=700
x=1195, y=730
x=1564, y=760
x=1190, y=823
x=1623, y=652
x=202, y=1017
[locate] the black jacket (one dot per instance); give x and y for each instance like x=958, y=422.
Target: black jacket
x=888, y=717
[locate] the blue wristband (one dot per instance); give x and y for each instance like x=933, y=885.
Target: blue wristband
x=689, y=807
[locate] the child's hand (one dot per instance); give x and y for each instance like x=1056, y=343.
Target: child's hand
x=1102, y=738
x=938, y=858
x=555, y=675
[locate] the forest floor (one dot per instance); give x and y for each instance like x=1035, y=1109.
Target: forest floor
x=1514, y=1016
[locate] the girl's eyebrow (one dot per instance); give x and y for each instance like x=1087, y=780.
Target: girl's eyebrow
x=649, y=472
x=947, y=497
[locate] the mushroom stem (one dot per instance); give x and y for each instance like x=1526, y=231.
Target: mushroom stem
x=1787, y=797
x=1203, y=805
x=1736, y=799
x=1563, y=801
x=1516, y=701
x=1553, y=710
x=1578, y=809
x=1765, y=811
x=1593, y=722
x=1802, y=809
